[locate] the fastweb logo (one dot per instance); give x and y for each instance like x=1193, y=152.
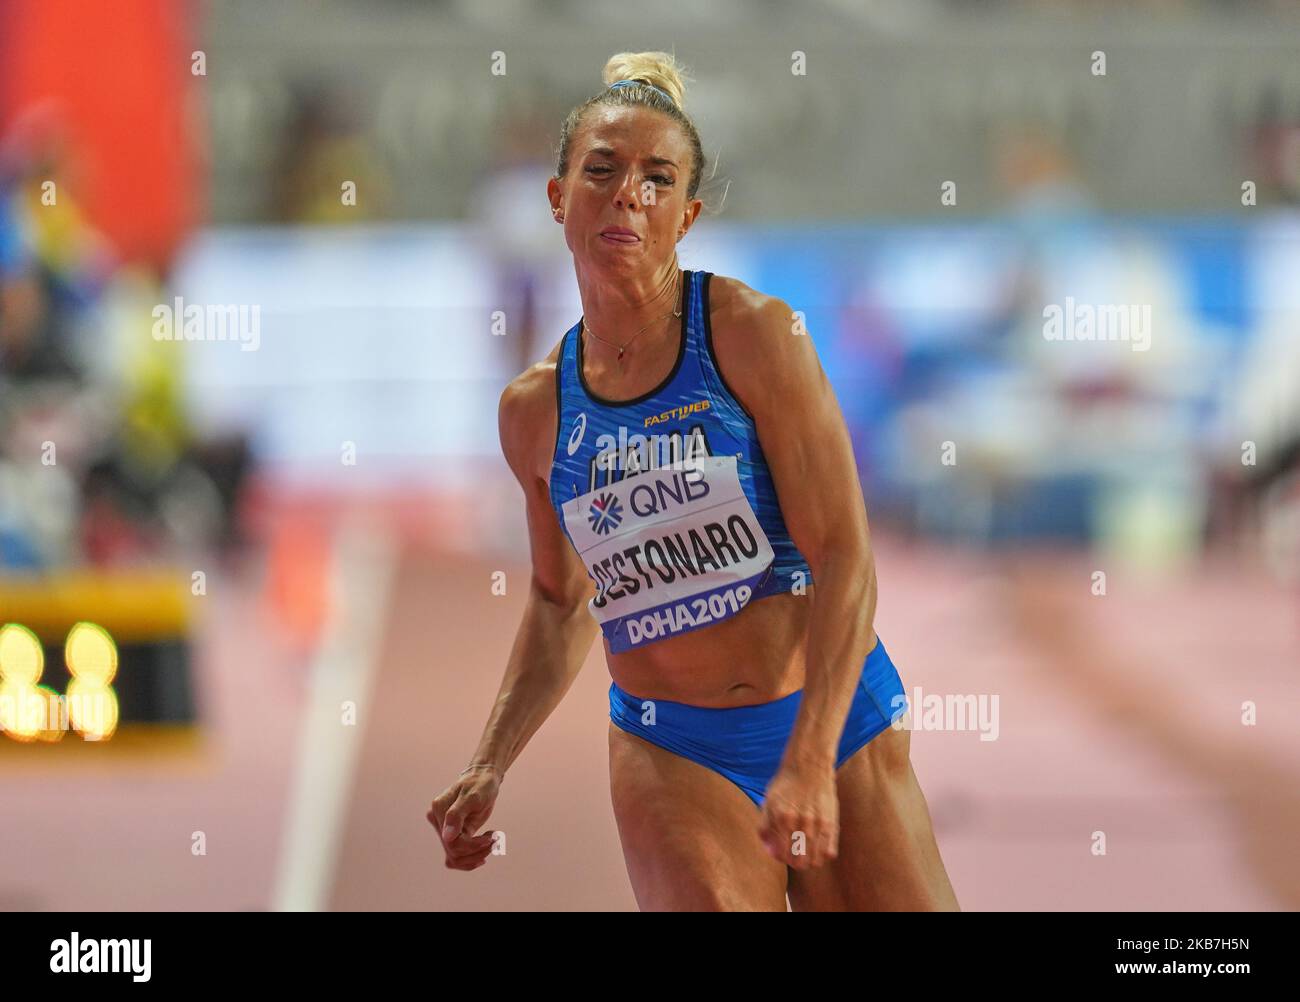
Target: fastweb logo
x=101, y=956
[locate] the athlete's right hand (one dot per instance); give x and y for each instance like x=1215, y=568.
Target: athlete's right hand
x=459, y=811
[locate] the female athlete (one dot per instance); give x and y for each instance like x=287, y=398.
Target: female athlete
x=691, y=491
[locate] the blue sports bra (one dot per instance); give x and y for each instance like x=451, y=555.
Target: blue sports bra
x=667, y=498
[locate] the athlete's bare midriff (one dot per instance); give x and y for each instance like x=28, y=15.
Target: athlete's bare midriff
x=754, y=657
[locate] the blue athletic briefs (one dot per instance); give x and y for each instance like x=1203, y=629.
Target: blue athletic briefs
x=746, y=743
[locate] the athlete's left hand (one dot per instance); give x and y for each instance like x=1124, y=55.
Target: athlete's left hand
x=800, y=820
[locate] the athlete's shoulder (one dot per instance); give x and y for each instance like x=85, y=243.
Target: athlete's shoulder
x=730, y=296
x=740, y=312
x=526, y=415
x=751, y=337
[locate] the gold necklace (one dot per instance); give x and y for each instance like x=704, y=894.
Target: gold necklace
x=623, y=347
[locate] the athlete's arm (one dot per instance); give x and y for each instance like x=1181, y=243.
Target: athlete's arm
x=775, y=372
x=556, y=631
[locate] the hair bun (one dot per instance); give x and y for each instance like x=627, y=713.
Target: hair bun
x=657, y=68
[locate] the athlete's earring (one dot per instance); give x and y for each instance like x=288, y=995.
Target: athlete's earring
x=559, y=216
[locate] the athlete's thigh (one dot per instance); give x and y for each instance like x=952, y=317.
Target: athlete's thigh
x=888, y=859
x=690, y=835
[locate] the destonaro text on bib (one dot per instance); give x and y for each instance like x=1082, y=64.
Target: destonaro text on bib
x=670, y=549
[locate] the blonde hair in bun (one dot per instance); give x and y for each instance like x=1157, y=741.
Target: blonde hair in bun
x=661, y=86
x=658, y=69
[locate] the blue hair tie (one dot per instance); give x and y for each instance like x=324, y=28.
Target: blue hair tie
x=628, y=83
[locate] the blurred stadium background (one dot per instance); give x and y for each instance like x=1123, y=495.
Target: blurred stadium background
x=280, y=524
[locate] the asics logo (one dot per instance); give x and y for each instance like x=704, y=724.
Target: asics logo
x=579, y=429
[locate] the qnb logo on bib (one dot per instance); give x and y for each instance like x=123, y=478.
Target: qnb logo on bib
x=605, y=513
x=671, y=550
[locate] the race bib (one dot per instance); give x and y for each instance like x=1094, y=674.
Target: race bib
x=670, y=550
